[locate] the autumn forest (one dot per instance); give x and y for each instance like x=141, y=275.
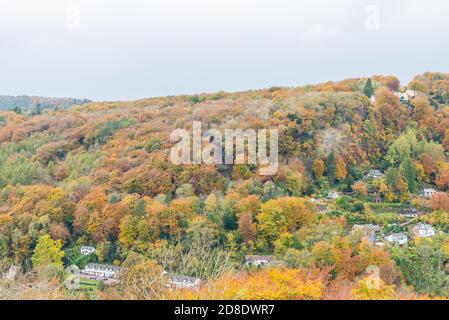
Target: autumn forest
x=358, y=209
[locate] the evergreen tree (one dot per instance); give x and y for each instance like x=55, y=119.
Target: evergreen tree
x=368, y=90
x=37, y=110
x=17, y=110
x=140, y=208
x=408, y=171
x=392, y=176
x=331, y=167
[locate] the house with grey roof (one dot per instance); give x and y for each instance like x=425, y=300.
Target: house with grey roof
x=429, y=192
x=332, y=195
x=374, y=173
x=257, y=261
x=406, y=95
x=423, y=230
x=321, y=208
x=86, y=250
x=102, y=271
x=409, y=212
x=183, y=282
x=397, y=238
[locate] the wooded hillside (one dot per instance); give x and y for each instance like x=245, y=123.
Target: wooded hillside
x=99, y=174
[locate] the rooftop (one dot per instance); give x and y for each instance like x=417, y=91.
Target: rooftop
x=398, y=235
x=424, y=226
x=103, y=267
x=366, y=226
x=183, y=279
x=255, y=257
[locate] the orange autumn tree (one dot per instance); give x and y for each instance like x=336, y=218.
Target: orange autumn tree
x=360, y=188
x=89, y=212
x=340, y=168
x=268, y=284
x=391, y=114
x=247, y=228
x=440, y=201
x=318, y=168
x=442, y=180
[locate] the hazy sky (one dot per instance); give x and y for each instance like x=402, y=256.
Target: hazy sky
x=117, y=49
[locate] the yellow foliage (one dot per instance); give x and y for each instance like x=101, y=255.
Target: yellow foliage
x=372, y=289
x=268, y=284
x=283, y=215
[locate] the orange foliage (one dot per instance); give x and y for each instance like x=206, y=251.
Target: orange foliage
x=268, y=284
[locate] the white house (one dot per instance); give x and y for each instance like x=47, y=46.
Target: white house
x=86, y=250
x=409, y=212
x=372, y=99
x=258, y=261
x=410, y=93
x=407, y=95
x=102, y=271
x=423, y=230
x=374, y=174
x=333, y=195
x=402, y=96
x=397, y=238
x=428, y=193
x=183, y=282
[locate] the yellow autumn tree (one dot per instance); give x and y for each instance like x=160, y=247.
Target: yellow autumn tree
x=360, y=188
x=372, y=289
x=340, y=168
x=283, y=215
x=318, y=168
x=47, y=252
x=268, y=284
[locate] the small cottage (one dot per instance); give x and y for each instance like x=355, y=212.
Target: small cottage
x=102, y=271
x=409, y=212
x=374, y=174
x=321, y=208
x=86, y=250
x=333, y=195
x=397, y=238
x=423, y=230
x=429, y=192
x=258, y=261
x=183, y=282
x=406, y=95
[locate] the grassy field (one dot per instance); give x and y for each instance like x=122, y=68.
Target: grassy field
x=89, y=284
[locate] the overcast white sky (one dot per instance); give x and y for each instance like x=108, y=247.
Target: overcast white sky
x=117, y=49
